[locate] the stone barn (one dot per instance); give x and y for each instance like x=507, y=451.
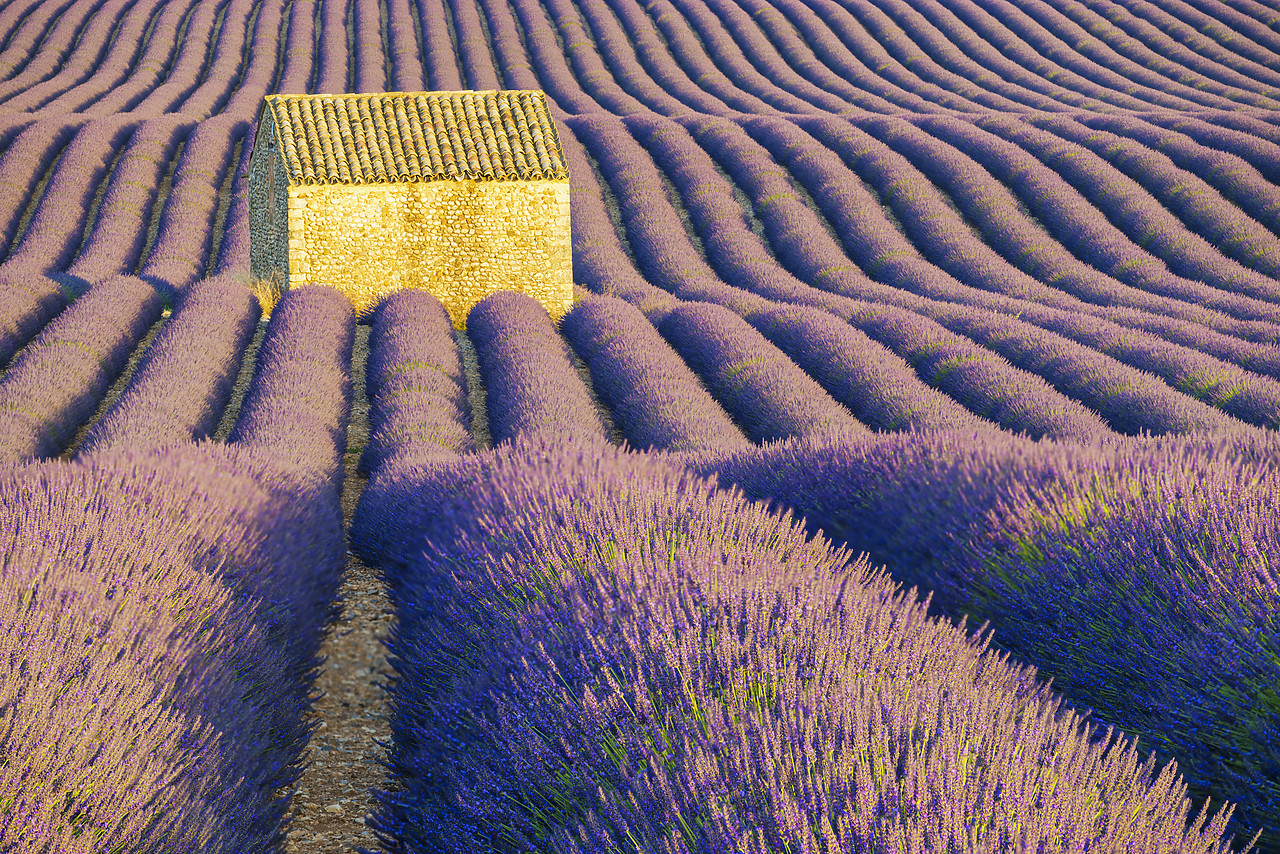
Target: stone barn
x=460, y=193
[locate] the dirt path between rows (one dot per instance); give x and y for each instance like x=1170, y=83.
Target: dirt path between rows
x=332, y=799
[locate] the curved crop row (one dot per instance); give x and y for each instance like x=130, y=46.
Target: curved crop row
x=297, y=403
x=182, y=383
x=769, y=396
x=878, y=387
x=616, y=655
x=1136, y=576
x=989, y=207
x=57, y=381
x=654, y=397
x=28, y=300
x=531, y=384
x=184, y=236
x=1129, y=399
x=416, y=386
x=992, y=389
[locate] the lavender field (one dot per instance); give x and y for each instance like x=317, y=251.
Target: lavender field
x=905, y=478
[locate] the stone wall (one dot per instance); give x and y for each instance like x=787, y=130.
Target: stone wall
x=268, y=201
x=460, y=239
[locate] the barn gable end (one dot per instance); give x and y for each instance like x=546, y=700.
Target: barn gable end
x=461, y=193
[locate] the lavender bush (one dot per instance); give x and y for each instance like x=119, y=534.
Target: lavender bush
x=1136, y=574
x=416, y=386
x=530, y=381
x=656, y=400
x=161, y=616
x=596, y=651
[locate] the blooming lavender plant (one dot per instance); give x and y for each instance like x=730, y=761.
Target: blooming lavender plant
x=57, y=381
x=595, y=651
x=416, y=385
x=530, y=380
x=1135, y=573
x=161, y=616
x=657, y=401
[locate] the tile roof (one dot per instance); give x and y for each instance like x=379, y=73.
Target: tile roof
x=416, y=136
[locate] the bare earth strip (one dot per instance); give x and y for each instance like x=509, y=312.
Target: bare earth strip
x=332, y=799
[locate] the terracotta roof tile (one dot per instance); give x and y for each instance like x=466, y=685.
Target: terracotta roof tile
x=416, y=136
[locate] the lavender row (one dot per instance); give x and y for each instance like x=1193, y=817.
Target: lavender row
x=116, y=238
x=600, y=260
x=225, y=73
x=1135, y=575
x=1191, y=36
x=183, y=240
x=984, y=383
x=541, y=50
x=1104, y=195
x=57, y=225
x=296, y=407
x=645, y=79
x=28, y=300
x=653, y=396
x=295, y=63
x=843, y=44
x=1219, y=135
x=1031, y=80
x=23, y=28
x=182, y=383
x=1081, y=82
x=878, y=387
x=1089, y=60
x=58, y=380
x=930, y=64
x=187, y=65
x=1204, y=220
x=241, y=97
x=164, y=612
x=769, y=396
x=207, y=63
x=24, y=163
x=531, y=384
x=892, y=154
x=1155, y=59
x=144, y=71
x=1130, y=400
x=663, y=81
x=416, y=385
x=596, y=651
x=233, y=252
x=405, y=55
x=103, y=48
x=474, y=59
x=1205, y=170
x=41, y=49
x=515, y=61
x=439, y=61
x=369, y=72
x=994, y=210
